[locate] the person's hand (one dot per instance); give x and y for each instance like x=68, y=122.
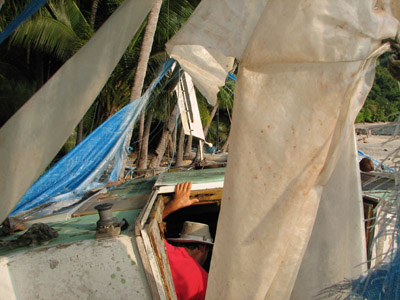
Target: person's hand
x=181, y=198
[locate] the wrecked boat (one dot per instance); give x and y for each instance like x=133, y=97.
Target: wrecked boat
x=130, y=264
x=305, y=71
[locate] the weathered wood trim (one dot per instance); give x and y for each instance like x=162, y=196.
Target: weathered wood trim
x=150, y=240
x=195, y=186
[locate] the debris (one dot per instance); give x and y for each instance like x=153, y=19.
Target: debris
x=37, y=234
x=11, y=225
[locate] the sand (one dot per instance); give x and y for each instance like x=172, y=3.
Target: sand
x=376, y=141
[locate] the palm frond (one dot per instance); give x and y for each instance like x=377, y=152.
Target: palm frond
x=225, y=98
x=204, y=108
x=10, y=10
x=48, y=35
x=13, y=94
x=173, y=15
x=58, y=30
x=68, y=13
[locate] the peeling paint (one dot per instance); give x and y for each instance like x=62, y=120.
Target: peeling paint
x=82, y=233
x=63, y=246
x=84, y=264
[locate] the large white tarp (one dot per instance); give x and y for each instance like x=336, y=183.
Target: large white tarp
x=391, y=6
x=336, y=249
x=34, y=135
x=306, y=68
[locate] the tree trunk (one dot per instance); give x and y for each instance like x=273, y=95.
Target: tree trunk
x=188, y=148
x=179, y=153
x=171, y=146
x=145, y=50
x=142, y=165
x=226, y=145
x=141, y=68
x=79, y=133
x=206, y=128
x=93, y=13
x=162, y=145
x=212, y=115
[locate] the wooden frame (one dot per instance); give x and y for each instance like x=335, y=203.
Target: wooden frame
x=149, y=232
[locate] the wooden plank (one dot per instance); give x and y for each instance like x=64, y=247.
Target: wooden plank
x=156, y=272
x=158, y=243
x=195, y=186
x=147, y=268
x=205, y=196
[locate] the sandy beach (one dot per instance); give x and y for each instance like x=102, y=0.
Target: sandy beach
x=380, y=141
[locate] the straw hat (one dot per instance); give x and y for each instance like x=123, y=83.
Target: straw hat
x=193, y=232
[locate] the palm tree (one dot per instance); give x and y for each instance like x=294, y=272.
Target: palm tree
x=162, y=145
x=224, y=100
x=92, y=18
x=179, y=153
x=141, y=70
x=171, y=17
x=58, y=29
x=19, y=73
x=145, y=142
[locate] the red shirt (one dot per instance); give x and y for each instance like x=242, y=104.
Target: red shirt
x=190, y=279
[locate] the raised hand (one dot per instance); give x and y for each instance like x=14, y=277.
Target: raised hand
x=181, y=198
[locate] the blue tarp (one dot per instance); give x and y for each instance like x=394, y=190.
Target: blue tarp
x=94, y=162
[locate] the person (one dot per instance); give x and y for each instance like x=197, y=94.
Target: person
x=190, y=251
x=366, y=165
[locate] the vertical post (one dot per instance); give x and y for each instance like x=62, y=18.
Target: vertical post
x=201, y=144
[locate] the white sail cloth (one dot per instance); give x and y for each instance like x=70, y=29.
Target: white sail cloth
x=34, y=135
x=306, y=68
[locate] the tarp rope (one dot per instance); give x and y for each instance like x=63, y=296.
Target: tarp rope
x=29, y=10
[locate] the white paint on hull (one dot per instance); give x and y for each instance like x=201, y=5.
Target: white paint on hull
x=90, y=269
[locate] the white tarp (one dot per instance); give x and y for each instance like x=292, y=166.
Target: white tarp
x=34, y=135
x=335, y=250
x=306, y=68
x=391, y=6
